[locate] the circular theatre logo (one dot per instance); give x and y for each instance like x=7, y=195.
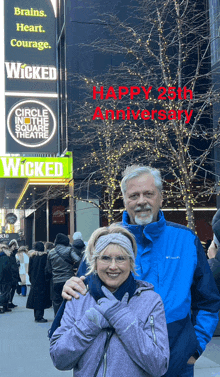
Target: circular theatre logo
x=31, y=123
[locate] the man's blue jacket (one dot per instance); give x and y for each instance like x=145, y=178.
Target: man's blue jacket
x=171, y=257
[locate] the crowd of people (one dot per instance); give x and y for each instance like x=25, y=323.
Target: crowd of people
x=13, y=262
x=45, y=269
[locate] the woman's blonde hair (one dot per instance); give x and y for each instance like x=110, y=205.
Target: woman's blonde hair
x=90, y=253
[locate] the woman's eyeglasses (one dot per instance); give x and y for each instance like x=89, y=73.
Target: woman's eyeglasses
x=108, y=260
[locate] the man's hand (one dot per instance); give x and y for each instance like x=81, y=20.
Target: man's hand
x=72, y=286
x=191, y=360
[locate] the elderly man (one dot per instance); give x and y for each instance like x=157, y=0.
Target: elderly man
x=171, y=257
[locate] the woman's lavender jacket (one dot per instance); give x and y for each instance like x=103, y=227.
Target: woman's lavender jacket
x=138, y=348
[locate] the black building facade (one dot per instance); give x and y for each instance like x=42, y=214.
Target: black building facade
x=80, y=25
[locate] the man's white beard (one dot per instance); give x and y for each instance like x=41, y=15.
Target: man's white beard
x=144, y=221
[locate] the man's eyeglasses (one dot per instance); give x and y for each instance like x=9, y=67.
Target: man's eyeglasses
x=108, y=260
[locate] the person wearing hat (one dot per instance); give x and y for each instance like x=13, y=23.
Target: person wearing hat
x=118, y=328
x=39, y=296
x=62, y=261
x=78, y=244
x=13, y=246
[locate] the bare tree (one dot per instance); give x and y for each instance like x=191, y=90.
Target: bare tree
x=109, y=142
x=168, y=106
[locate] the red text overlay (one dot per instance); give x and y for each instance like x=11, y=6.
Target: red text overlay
x=136, y=92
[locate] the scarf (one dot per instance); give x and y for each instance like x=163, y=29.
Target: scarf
x=95, y=283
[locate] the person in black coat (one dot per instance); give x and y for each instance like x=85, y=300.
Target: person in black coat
x=5, y=278
x=62, y=263
x=214, y=257
x=13, y=246
x=48, y=274
x=78, y=244
x=214, y=249
x=39, y=296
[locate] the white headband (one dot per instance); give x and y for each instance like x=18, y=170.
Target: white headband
x=117, y=238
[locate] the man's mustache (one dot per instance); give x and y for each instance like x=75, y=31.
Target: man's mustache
x=143, y=208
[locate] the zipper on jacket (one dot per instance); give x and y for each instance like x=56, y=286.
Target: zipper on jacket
x=153, y=329
x=109, y=334
x=105, y=364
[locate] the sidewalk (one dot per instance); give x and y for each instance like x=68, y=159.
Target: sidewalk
x=208, y=365
x=24, y=347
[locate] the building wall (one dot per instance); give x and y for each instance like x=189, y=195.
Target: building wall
x=83, y=27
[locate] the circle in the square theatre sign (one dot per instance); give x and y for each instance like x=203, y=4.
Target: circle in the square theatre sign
x=31, y=123
x=11, y=218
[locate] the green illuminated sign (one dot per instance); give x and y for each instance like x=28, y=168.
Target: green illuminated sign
x=36, y=167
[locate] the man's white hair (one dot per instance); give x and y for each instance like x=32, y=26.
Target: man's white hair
x=135, y=171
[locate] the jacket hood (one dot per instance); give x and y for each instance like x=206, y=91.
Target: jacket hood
x=79, y=244
x=13, y=242
x=39, y=246
x=61, y=239
x=143, y=286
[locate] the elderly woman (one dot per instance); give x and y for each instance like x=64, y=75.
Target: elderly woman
x=119, y=327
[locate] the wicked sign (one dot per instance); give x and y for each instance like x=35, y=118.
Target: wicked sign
x=31, y=97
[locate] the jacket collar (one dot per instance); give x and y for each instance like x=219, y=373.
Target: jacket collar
x=152, y=230
x=143, y=286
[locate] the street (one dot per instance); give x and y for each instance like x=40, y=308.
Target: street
x=24, y=347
